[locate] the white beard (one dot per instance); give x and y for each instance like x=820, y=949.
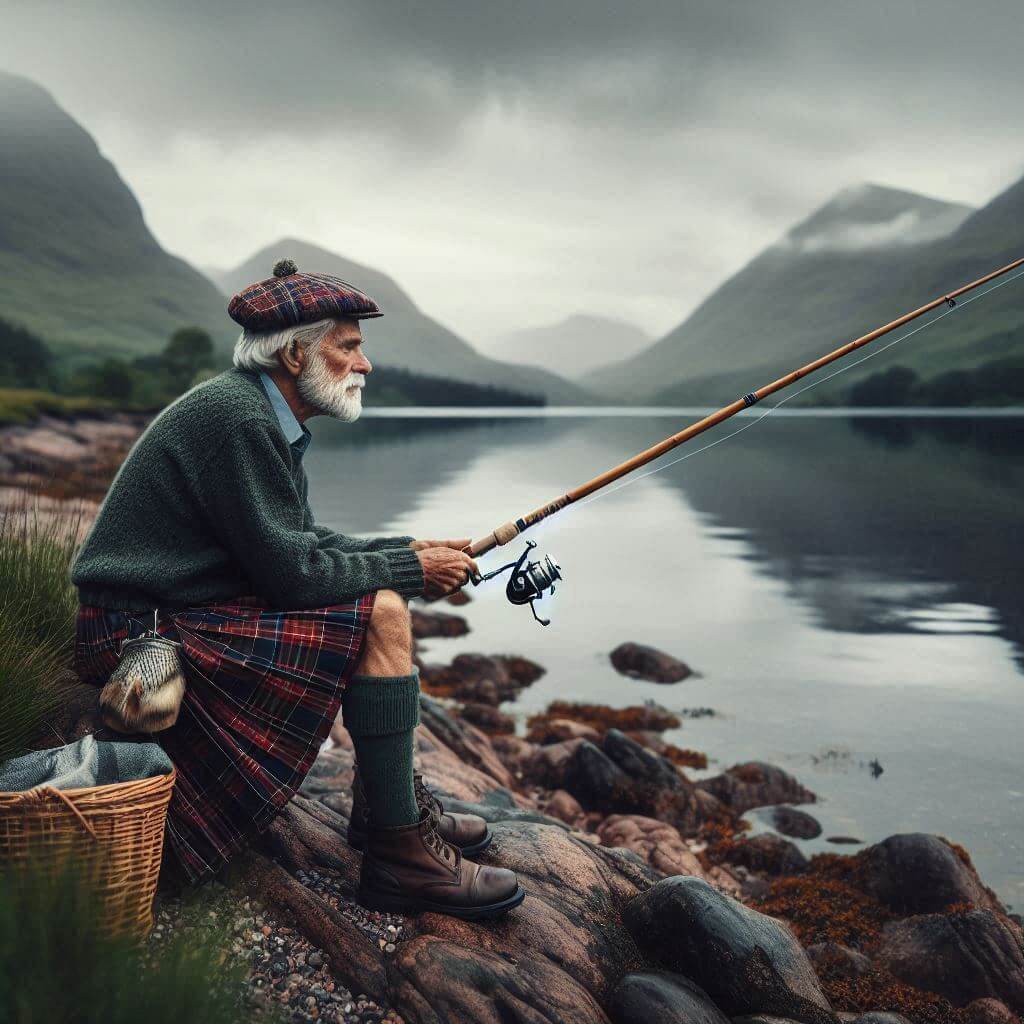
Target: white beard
x=319, y=387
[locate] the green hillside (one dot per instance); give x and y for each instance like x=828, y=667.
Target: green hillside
x=405, y=337
x=865, y=258
x=78, y=266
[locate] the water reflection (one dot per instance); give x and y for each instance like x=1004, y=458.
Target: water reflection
x=847, y=589
x=882, y=524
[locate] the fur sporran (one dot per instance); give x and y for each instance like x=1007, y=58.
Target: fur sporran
x=144, y=692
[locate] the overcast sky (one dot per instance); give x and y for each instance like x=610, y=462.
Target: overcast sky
x=513, y=163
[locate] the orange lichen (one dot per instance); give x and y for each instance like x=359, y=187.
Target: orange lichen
x=602, y=718
x=440, y=684
x=876, y=989
x=722, y=836
x=828, y=904
x=684, y=757
x=825, y=905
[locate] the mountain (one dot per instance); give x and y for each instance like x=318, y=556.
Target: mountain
x=863, y=259
x=78, y=266
x=405, y=337
x=574, y=346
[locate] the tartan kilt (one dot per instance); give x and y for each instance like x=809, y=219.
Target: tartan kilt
x=263, y=688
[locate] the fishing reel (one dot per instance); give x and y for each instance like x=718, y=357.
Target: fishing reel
x=528, y=581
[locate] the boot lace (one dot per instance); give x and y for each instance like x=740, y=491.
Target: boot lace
x=427, y=799
x=438, y=844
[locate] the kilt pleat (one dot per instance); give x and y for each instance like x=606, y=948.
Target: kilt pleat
x=263, y=688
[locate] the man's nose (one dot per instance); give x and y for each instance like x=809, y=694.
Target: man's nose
x=363, y=365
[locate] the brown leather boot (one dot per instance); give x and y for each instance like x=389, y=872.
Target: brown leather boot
x=411, y=868
x=469, y=832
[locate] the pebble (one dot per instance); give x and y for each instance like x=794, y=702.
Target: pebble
x=285, y=969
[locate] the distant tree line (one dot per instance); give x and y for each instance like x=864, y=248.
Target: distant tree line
x=25, y=361
x=1000, y=382
x=392, y=386
x=151, y=381
x=148, y=381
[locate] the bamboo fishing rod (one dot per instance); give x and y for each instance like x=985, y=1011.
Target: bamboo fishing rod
x=509, y=531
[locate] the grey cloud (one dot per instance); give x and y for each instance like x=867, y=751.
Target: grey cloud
x=568, y=149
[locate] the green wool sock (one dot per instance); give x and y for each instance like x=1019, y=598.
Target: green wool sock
x=380, y=714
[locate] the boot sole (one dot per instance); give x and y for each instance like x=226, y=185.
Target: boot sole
x=358, y=842
x=390, y=903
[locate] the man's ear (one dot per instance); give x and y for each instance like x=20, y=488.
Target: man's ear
x=293, y=357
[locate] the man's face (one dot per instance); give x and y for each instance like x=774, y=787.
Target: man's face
x=333, y=373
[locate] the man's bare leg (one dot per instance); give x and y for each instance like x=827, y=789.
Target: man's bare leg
x=380, y=709
x=388, y=647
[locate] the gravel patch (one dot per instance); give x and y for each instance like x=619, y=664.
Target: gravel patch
x=288, y=978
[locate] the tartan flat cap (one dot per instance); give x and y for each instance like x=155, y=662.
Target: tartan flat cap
x=289, y=298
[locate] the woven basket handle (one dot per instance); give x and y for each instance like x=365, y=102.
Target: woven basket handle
x=39, y=794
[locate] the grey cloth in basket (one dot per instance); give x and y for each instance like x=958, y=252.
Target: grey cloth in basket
x=89, y=762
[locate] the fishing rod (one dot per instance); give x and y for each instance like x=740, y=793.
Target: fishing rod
x=531, y=579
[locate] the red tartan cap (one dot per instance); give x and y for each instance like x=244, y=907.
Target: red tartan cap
x=289, y=298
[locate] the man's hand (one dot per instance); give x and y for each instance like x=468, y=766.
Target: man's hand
x=445, y=568
x=458, y=545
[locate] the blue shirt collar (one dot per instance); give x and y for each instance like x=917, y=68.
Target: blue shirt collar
x=295, y=432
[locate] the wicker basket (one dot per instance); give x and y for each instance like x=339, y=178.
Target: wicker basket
x=114, y=832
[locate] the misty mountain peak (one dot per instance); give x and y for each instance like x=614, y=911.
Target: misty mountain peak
x=573, y=347
x=869, y=216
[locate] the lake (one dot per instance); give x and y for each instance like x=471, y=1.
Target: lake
x=847, y=586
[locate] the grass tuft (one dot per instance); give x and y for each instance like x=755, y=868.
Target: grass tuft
x=38, y=605
x=58, y=964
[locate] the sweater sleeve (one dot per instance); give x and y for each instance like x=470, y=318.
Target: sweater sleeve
x=257, y=513
x=362, y=543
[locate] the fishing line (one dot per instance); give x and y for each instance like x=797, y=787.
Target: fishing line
x=835, y=373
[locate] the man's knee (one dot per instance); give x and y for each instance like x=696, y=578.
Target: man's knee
x=390, y=617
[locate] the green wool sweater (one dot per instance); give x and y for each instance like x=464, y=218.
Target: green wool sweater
x=211, y=503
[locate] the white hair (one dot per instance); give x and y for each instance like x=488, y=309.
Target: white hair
x=257, y=350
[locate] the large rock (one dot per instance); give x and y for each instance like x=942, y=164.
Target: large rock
x=661, y=997
x=788, y=821
x=564, y=806
x=621, y=777
x=920, y=874
x=989, y=1011
x=768, y=853
x=962, y=956
x=556, y=957
x=640, y=662
x=755, y=784
x=555, y=730
x=487, y=718
x=479, y=678
x=661, y=846
x=515, y=753
x=748, y=963
x=433, y=624
x=468, y=743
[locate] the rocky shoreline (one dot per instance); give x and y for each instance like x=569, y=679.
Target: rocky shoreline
x=648, y=899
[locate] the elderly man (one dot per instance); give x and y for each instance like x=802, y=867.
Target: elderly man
x=207, y=530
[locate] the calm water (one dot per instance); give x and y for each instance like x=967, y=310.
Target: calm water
x=848, y=589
